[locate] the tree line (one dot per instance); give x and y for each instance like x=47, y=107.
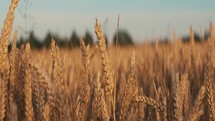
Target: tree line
x=71, y=42
x=124, y=38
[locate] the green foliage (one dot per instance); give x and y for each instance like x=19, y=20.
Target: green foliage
x=124, y=38
x=74, y=40
x=34, y=42
x=47, y=40
x=20, y=42
x=88, y=39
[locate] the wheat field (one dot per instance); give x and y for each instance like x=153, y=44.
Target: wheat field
x=161, y=82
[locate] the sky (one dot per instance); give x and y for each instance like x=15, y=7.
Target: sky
x=143, y=19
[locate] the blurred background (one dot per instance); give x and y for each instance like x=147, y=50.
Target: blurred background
x=140, y=20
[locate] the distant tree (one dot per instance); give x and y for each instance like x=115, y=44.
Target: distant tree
x=88, y=39
x=106, y=40
x=34, y=42
x=74, y=40
x=124, y=38
x=197, y=38
x=59, y=41
x=47, y=40
x=20, y=42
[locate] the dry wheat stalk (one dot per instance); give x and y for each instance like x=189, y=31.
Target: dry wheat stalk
x=130, y=89
x=4, y=42
x=5, y=36
x=28, y=93
x=57, y=67
x=99, y=106
x=46, y=114
x=185, y=94
x=210, y=97
x=141, y=106
x=108, y=84
x=39, y=98
x=196, y=109
x=164, y=112
x=19, y=96
x=2, y=98
x=13, y=112
x=156, y=43
x=4, y=79
x=192, y=39
x=211, y=32
x=149, y=101
x=177, y=100
x=57, y=79
x=13, y=68
x=85, y=91
x=45, y=82
x=207, y=81
x=28, y=86
x=155, y=104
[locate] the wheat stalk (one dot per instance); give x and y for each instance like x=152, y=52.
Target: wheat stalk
x=177, y=100
x=85, y=92
x=57, y=78
x=196, y=110
x=44, y=81
x=210, y=97
x=28, y=86
x=13, y=67
x=149, y=101
x=207, y=80
x=99, y=106
x=3, y=98
x=211, y=32
x=39, y=98
x=108, y=84
x=192, y=39
x=185, y=94
x=13, y=112
x=6, y=31
x=130, y=89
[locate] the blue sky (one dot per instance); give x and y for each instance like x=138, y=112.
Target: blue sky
x=141, y=18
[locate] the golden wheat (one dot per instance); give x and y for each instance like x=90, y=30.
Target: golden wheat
x=157, y=82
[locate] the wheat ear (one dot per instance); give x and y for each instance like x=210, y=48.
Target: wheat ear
x=2, y=98
x=130, y=89
x=6, y=31
x=108, y=84
x=185, y=94
x=85, y=92
x=58, y=81
x=45, y=82
x=149, y=101
x=196, y=110
x=39, y=97
x=210, y=97
x=28, y=86
x=178, y=100
x=211, y=32
x=13, y=112
x=207, y=81
x=192, y=41
x=13, y=68
x=99, y=106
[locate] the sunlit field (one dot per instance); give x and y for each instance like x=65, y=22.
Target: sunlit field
x=171, y=81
